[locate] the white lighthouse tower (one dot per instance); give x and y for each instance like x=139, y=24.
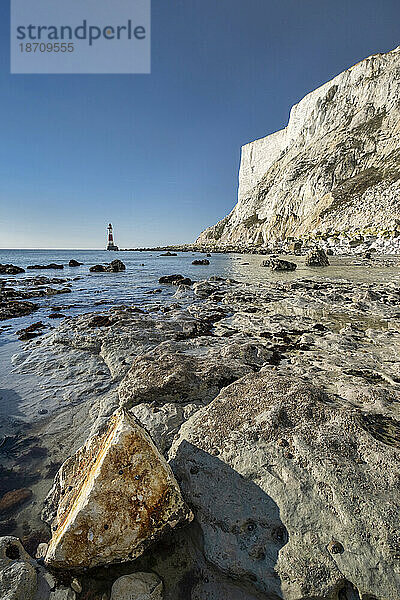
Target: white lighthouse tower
x=110, y=243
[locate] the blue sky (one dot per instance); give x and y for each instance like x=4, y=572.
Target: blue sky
x=158, y=154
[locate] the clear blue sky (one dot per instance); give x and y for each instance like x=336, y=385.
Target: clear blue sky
x=158, y=154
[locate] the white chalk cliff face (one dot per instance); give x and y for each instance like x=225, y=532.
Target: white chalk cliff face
x=334, y=168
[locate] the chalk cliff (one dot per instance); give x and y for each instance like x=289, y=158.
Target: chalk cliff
x=333, y=171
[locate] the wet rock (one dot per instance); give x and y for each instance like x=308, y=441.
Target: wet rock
x=138, y=586
x=249, y=496
x=116, y=266
x=98, y=269
x=18, y=579
x=112, y=499
x=31, y=331
x=202, y=261
x=56, y=315
x=74, y=263
x=11, y=269
x=12, y=308
x=62, y=593
x=203, y=289
x=278, y=264
x=171, y=279
x=10, y=501
x=50, y=266
x=317, y=258
x=41, y=550
x=180, y=372
x=169, y=254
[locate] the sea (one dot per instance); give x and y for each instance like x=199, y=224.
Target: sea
x=100, y=291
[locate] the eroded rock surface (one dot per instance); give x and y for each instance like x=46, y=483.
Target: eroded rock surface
x=138, y=586
x=112, y=499
x=291, y=490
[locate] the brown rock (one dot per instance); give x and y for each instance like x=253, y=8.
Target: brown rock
x=11, y=500
x=112, y=499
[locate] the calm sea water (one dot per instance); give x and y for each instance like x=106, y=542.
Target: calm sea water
x=143, y=270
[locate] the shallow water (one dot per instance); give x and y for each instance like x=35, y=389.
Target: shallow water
x=143, y=270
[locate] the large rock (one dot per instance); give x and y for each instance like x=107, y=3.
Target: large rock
x=295, y=492
x=180, y=372
x=10, y=309
x=317, y=258
x=11, y=269
x=278, y=264
x=112, y=499
x=138, y=586
x=334, y=168
x=115, y=266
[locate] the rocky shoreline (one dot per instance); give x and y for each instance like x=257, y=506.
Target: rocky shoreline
x=274, y=406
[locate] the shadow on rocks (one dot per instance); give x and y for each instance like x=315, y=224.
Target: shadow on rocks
x=241, y=530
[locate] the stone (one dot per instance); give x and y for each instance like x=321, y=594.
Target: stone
x=13, y=499
x=331, y=170
x=113, y=498
x=31, y=331
x=169, y=254
x=202, y=261
x=76, y=585
x=18, y=579
x=11, y=269
x=115, y=266
x=278, y=264
x=137, y=586
x=310, y=518
x=62, y=593
x=74, y=263
x=50, y=266
x=41, y=550
x=172, y=279
x=10, y=309
x=180, y=372
x=317, y=258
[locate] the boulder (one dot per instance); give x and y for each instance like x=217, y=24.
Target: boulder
x=11, y=269
x=112, y=499
x=278, y=264
x=50, y=266
x=10, y=309
x=317, y=258
x=74, y=263
x=31, y=331
x=114, y=266
x=180, y=372
x=202, y=261
x=169, y=254
x=293, y=489
x=173, y=279
x=137, y=586
x=295, y=247
x=13, y=499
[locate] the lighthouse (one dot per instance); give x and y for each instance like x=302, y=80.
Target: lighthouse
x=110, y=243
